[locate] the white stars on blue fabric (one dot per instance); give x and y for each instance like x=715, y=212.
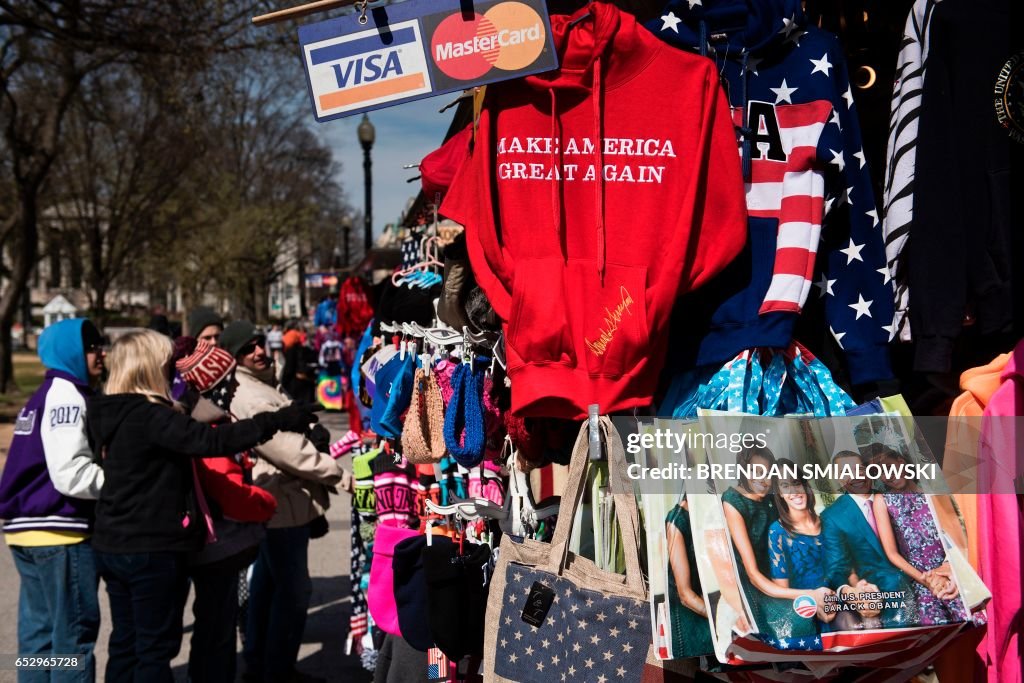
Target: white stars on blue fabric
x=848, y=96
x=821, y=66
x=789, y=25
x=824, y=286
x=838, y=336
x=597, y=638
x=862, y=307
x=852, y=252
x=837, y=159
x=783, y=93
x=784, y=644
x=670, y=21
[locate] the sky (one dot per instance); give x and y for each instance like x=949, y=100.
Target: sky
x=405, y=134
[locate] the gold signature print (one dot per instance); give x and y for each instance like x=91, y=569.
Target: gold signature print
x=611, y=323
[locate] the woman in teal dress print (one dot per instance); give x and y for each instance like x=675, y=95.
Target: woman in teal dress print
x=691, y=632
x=794, y=542
x=749, y=513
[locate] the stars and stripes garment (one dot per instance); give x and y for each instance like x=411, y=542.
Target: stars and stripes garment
x=901, y=150
x=813, y=225
x=585, y=637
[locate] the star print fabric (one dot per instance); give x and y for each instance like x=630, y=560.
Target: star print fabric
x=815, y=234
x=587, y=636
x=806, y=643
x=222, y=393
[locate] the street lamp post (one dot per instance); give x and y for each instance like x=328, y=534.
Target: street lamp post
x=347, y=231
x=367, y=134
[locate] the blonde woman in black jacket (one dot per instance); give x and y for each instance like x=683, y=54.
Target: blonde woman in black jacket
x=150, y=515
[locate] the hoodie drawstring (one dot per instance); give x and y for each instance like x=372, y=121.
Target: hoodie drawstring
x=556, y=170
x=745, y=130
x=599, y=185
x=556, y=157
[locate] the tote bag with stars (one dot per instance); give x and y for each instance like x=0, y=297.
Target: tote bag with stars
x=554, y=616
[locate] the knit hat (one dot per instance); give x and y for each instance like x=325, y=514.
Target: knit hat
x=206, y=367
x=423, y=431
x=456, y=597
x=238, y=334
x=410, y=586
x=202, y=317
x=464, y=417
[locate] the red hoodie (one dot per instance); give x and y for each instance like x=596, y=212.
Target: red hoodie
x=584, y=266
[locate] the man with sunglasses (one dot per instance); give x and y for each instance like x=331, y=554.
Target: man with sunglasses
x=47, y=492
x=301, y=478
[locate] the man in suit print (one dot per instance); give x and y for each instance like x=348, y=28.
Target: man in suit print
x=855, y=562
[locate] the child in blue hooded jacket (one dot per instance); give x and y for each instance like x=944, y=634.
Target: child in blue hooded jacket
x=47, y=491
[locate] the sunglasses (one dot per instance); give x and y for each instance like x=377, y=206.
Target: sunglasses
x=250, y=347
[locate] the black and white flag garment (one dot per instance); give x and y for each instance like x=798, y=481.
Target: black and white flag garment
x=901, y=152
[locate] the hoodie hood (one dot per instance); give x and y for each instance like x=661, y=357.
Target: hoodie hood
x=61, y=348
x=107, y=413
x=581, y=40
x=585, y=43
x=748, y=25
x=596, y=194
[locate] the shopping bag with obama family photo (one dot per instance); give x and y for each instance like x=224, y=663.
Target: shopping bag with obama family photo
x=679, y=619
x=822, y=564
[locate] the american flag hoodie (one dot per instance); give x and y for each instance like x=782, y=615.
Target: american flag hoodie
x=814, y=228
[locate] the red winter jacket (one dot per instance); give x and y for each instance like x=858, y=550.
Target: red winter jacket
x=223, y=482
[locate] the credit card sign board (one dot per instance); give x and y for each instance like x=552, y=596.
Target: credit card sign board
x=421, y=48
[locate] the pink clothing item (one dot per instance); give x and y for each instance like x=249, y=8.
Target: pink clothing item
x=1000, y=525
x=444, y=371
x=869, y=513
x=485, y=482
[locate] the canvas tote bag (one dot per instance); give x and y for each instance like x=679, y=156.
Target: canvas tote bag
x=552, y=612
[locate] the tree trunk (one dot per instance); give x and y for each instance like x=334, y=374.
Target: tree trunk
x=251, y=303
x=24, y=249
x=6, y=362
x=259, y=301
x=303, y=304
x=100, y=314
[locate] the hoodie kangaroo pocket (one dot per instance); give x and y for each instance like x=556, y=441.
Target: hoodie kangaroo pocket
x=610, y=317
x=539, y=327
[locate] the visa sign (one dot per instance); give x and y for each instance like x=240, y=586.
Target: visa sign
x=421, y=48
x=354, y=72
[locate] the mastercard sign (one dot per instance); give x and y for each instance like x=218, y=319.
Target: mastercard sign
x=421, y=48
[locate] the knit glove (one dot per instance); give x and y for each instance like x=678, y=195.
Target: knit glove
x=292, y=418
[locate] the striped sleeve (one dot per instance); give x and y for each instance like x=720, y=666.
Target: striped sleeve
x=901, y=151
